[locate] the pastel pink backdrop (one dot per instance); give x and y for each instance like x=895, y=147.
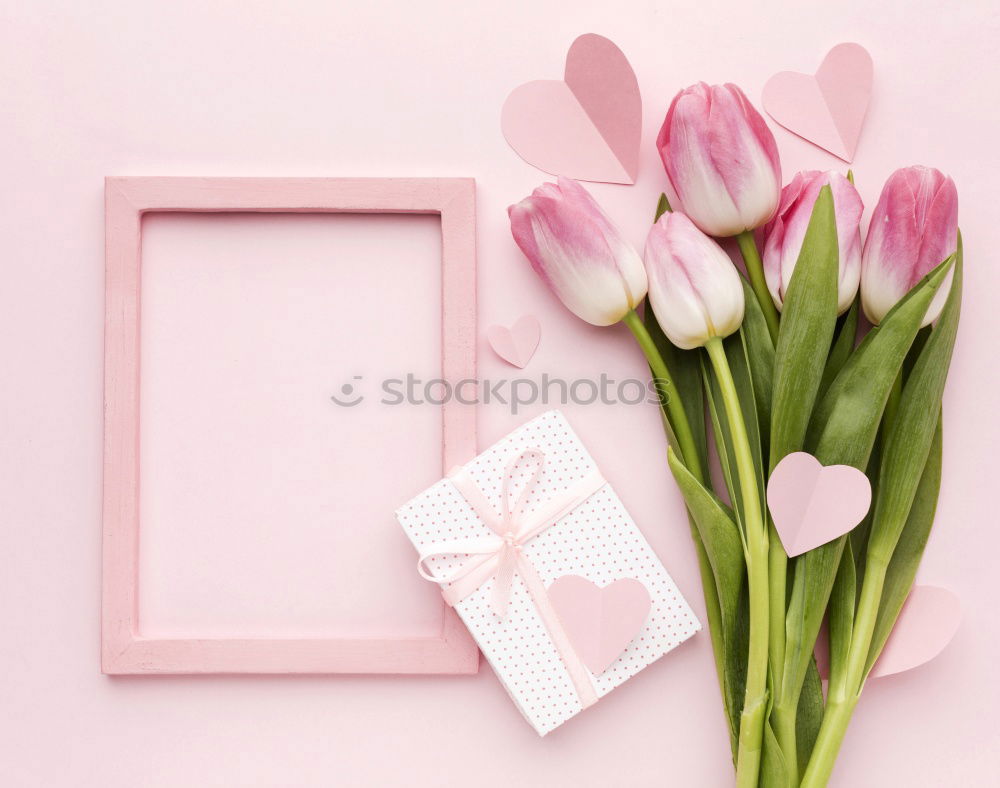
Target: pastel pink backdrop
x=386, y=88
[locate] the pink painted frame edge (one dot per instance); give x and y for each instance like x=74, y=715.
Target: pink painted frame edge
x=123, y=651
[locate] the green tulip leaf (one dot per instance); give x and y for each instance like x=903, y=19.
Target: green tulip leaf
x=852, y=407
x=760, y=354
x=773, y=767
x=808, y=319
x=808, y=714
x=685, y=368
x=718, y=533
x=724, y=549
x=910, y=473
x=913, y=427
x=915, y=349
x=909, y=550
x=841, y=614
x=843, y=346
x=662, y=207
x=843, y=431
x=858, y=537
x=739, y=364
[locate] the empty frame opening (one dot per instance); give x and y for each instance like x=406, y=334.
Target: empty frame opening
x=273, y=443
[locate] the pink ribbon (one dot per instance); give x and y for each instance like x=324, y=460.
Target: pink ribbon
x=500, y=555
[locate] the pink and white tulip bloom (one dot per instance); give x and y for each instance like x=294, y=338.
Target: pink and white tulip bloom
x=694, y=289
x=785, y=233
x=578, y=252
x=913, y=229
x=721, y=159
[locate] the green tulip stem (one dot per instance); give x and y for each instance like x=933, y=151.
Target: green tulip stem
x=785, y=709
x=836, y=715
x=843, y=697
x=685, y=448
x=755, y=270
x=663, y=380
x=708, y=587
x=756, y=540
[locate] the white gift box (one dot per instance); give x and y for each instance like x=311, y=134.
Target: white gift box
x=574, y=524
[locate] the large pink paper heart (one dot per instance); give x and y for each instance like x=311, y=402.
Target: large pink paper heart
x=812, y=504
x=926, y=624
x=599, y=622
x=827, y=109
x=516, y=344
x=586, y=126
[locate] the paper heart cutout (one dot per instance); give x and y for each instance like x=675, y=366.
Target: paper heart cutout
x=812, y=504
x=516, y=345
x=599, y=622
x=586, y=126
x=926, y=624
x=827, y=109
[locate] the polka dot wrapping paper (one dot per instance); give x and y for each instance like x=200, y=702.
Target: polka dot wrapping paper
x=597, y=540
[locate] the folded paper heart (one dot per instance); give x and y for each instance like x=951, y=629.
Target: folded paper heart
x=599, y=622
x=586, y=126
x=926, y=624
x=812, y=504
x=516, y=345
x=827, y=109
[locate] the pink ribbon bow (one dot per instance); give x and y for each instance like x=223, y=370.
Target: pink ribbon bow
x=500, y=555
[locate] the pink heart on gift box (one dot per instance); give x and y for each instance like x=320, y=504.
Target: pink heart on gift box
x=827, y=109
x=599, y=622
x=586, y=126
x=516, y=344
x=812, y=504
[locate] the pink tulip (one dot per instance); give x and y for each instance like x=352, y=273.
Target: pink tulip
x=913, y=229
x=694, y=289
x=578, y=252
x=787, y=230
x=721, y=159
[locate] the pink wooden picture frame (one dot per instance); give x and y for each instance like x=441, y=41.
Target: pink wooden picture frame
x=123, y=649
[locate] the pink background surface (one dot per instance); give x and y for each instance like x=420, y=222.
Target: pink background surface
x=217, y=88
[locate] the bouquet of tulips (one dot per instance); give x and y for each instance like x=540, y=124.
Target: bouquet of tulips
x=769, y=364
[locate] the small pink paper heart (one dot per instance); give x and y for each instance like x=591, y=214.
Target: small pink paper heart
x=516, y=344
x=827, y=109
x=926, y=624
x=812, y=504
x=586, y=126
x=599, y=622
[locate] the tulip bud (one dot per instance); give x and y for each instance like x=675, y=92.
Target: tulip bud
x=721, y=159
x=694, y=289
x=785, y=233
x=913, y=229
x=574, y=248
